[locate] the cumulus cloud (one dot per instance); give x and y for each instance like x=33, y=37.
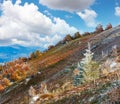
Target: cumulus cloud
x=67, y=5
x=117, y=11
x=76, y=6
x=89, y=16
x=46, y=12
x=26, y=25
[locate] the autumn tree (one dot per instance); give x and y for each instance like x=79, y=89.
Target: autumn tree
x=21, y=74
x=32, y=55
x=15, y=76
x=35, y=54
x=68, y=38
x=50, y=47
x=24, y=59
x=109, y=26
x=25, y=67
x=76, y=35
x=17, y=66
x=99, y=28
x=86, y=33
x=6, y=82
x=38, y=53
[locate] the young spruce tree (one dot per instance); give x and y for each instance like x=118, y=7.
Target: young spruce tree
x=87, y=69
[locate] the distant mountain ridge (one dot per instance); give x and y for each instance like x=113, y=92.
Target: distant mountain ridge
x=11, y=52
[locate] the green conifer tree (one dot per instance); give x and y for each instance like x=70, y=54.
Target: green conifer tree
x=88, y=69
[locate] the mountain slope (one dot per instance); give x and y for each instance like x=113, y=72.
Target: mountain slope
x=52, y=63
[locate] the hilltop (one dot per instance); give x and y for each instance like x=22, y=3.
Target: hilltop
x=55, y=68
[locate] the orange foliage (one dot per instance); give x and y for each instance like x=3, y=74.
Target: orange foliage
x=6, y=82
x=47, y=96
x=17, y=66
x=1, y=87
x=25, y=67
x=11, y=70
x=15, y=76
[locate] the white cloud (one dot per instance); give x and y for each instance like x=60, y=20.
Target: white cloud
x=117, y=11
x=18, y=1
x=26, y=25
x=61, y=27
x=89, y=16
x=46, y=12
x=67, y=5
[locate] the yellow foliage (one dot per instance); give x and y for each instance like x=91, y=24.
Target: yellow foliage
x=15, y=76
x=21, y=73
x=47, y=96
x=6, y=82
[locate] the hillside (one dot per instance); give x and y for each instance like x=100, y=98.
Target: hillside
x=56, y=66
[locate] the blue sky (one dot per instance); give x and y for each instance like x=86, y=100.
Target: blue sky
x=45, y=22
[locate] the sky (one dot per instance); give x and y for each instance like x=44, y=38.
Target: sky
x=45, y=22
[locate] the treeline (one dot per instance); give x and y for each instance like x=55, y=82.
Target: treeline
x=68, y=38
x=77, y=35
